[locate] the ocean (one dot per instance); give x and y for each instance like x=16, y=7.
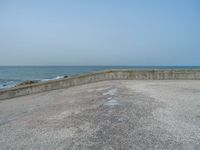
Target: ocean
x=10, y=76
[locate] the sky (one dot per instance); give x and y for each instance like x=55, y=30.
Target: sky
x=100, y=32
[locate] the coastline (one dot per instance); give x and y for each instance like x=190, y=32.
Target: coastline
x=11, y=76
x=115, y=74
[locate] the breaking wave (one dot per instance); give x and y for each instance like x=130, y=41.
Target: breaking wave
x=56, y=78
x=4, y=84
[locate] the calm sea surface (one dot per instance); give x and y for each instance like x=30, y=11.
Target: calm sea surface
x=12, y=75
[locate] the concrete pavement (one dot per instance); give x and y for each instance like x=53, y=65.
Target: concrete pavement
x=132, y=114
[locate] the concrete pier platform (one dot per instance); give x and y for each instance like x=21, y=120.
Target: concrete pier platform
x=107, y=115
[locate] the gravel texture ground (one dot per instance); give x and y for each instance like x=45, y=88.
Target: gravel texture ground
x=109, y=115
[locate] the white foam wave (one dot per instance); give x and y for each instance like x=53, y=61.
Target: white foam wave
x=8, y=84
x=56, y=78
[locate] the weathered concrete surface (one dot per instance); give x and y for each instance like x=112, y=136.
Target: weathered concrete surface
x=155, y=74
x=105, y=115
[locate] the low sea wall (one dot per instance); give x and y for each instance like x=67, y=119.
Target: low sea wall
x=156, y=74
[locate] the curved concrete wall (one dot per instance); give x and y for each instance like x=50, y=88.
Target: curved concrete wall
x=192, y=74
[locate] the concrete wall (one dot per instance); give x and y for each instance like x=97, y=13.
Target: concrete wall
x=189, y=74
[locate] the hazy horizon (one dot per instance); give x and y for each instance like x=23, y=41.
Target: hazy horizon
x=100, y=33
x=139, y=66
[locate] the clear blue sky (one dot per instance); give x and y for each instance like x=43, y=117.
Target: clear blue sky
x=100, y=32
